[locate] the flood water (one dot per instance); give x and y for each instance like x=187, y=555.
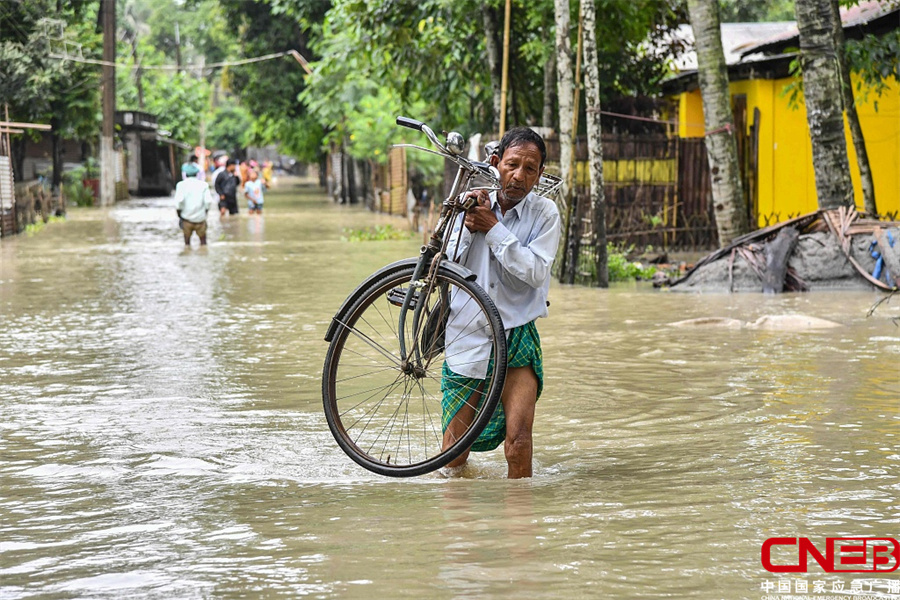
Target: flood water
x=161, y=430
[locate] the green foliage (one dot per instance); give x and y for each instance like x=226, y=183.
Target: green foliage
x=204, y=32
x=178, y=99
x=300, y=137
x=379, y=233
x=75, y=193
x=73, y=188
x=623, y=269
x=89, y=170
x=430, y=50
x=229, y=128
x=876, y=59
x=39, y=225
x=36, y=84
x=741, y=11
x=793, y=91
x=270, y=90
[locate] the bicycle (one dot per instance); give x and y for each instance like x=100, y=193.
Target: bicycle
x=391, y=337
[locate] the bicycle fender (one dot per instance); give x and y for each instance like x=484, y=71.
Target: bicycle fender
x=363, y=287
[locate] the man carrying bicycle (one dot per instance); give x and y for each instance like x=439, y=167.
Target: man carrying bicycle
x=509, y=239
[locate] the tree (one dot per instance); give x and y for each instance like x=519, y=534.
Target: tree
x=595, y=144
x=230, y=128
x=565, y=87
x=822, y=92
x=491, y=28
x=859, y=142
x=741, y=11
x=37, y=85
x=271, y=90
x=718, y=119
x=178, y=99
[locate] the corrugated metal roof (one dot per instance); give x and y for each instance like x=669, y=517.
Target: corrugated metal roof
x=854, y=16
x=736, y=37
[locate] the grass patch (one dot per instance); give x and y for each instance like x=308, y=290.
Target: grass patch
x=379, y=233
x=36, y=227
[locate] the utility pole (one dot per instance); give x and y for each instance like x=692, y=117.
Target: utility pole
x=504, y=81
x=107, y=153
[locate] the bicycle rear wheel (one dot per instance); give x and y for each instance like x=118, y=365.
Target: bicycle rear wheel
x=386, y=415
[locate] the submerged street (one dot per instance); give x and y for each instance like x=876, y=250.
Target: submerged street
x=162, y=434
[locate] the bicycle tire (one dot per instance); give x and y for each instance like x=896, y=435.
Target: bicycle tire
x=364, y=355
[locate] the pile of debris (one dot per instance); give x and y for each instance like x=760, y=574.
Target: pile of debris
x=825, y=250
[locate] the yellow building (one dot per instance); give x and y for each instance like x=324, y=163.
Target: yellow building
x=784, y=179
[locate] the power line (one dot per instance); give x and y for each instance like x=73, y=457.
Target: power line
x=227, y=63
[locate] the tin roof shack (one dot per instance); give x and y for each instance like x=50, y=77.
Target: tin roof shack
x=151, y=156
x=773, y=133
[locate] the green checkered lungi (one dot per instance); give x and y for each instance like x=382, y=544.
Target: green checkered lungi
x=523, y=348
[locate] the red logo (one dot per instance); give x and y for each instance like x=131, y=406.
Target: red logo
x=842, y=555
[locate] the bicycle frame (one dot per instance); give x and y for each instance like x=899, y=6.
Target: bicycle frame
x=434, y=252
x=430, y=257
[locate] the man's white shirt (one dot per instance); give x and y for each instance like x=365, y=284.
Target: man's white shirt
x=512, y=263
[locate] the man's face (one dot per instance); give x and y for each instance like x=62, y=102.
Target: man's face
x=520, y=169
x=230, y=168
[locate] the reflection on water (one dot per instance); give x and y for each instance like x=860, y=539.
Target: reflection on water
x=161, y=432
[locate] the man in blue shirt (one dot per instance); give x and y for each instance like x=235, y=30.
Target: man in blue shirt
x=509, y=240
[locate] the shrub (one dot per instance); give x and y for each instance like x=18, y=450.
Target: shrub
x=376, y=234
x=623, y=269
x=77, y=194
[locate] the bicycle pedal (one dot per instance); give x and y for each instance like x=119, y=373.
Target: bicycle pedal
x=397, y=295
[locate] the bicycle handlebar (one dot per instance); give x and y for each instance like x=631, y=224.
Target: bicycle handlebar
x=411, y=123
x=473, y=167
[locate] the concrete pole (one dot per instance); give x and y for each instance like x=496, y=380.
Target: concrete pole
x=107, y=152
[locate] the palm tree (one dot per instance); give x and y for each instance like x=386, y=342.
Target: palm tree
x=595, y=145
x=721, y=148
x=565, y=86
x=859, y=142
x=822, y=92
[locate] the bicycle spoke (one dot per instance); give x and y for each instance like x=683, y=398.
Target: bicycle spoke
x=363, y=319
x=391, y=417
x=369, y=358
x=371, y=342
x=390, y=422
x=400, y=436
x=390, y=385
x=367, y=374
x=427, y=413
x=391, y=327
x=374, y=389
x=373, y=410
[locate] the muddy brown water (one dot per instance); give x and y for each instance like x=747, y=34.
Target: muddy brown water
x=161, y=434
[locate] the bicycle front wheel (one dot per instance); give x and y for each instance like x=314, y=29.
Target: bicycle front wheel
x=386, y=413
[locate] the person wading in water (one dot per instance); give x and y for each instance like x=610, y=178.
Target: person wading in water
x=509, y=240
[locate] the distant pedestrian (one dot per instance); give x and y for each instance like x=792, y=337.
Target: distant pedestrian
x=194, y=200
x=253, y=191
x=226, y=184
x=219, y=165
x=190, y=168
x=267, y=173
x=244, y=172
